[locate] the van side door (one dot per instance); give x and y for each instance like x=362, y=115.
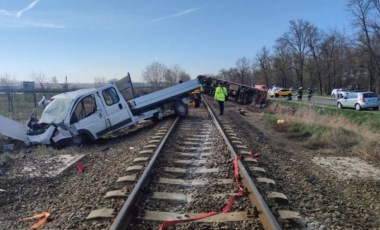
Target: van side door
x=88, y=116
x=117, y=111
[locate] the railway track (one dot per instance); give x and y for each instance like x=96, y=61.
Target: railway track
x=195, y=173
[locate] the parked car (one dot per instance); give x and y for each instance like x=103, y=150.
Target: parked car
x=339, y=93
x=273, y=90
x=283, y=93
x=358, y=101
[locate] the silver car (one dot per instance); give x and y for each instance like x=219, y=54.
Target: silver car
x=358, y=101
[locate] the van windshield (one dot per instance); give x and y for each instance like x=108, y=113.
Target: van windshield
x=56, y=111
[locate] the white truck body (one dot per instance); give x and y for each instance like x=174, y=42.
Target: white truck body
x=91, y=113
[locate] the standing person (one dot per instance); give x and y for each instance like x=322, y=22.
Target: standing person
x=220, y=96
x=309, y=93
x=225, y=92
x=299, y=94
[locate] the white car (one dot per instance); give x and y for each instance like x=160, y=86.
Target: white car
x=358, y=101
x=339, y=93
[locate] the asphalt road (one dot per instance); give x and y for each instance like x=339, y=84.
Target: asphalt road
x=320, y=101
x=314, y=100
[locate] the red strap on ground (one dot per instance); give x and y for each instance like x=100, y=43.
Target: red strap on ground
x=229, y=204
x=43, y=215
x=80, y=167
x=173, y=222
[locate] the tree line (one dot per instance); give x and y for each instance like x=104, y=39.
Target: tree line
x=310, y=57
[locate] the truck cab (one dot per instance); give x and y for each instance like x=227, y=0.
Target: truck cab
x=86, y=115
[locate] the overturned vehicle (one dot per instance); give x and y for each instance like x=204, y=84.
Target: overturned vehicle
x=86, y=115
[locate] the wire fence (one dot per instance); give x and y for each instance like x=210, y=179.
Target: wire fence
x=19, y=105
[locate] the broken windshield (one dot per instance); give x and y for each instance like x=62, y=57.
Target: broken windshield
x=56, y=111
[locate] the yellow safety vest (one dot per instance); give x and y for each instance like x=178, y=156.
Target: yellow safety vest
x=220, y=93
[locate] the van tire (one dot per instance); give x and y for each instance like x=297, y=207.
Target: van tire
x=357, y=107
x=82, y=139
x=180, y=109
x=340, y=106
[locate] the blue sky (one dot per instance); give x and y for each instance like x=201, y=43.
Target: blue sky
x=88, y=39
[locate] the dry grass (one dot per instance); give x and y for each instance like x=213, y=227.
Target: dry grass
x=309, y=116
x=368, y=150
x=338, y=132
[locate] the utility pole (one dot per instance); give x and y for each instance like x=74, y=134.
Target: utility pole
x=66, y=86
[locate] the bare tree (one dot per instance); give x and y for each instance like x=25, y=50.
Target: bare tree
x=232, y=74
x=183, y=76
x=8, y=87
x=243, y=68
x=175, y=74
x=264, y=62
x=282, y=64
x=296, y=40
x=314, y=38
x=155, y=74
x=41, y=79
x=54, y=80
x=365, y=13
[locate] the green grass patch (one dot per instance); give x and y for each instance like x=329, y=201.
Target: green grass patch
x=270, y=118
x=314, y=130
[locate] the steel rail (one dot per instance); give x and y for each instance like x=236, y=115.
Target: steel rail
x=124, y=216
x=265, y=214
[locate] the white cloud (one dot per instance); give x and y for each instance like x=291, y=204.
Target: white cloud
x=6, y=13
x=21, y=23
x=45, y=25
x=19, y=13
x=29, y=7
x=176, y=15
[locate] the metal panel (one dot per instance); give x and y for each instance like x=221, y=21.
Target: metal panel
x=13, y=129
x=167, y=93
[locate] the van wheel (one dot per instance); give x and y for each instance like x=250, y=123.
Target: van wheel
x=62, y=143
x=180, y=109
x=81, y=139
x=156, y=118
x=357, y=107
x=340, y=106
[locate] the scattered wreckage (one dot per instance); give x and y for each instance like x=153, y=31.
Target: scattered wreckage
x=88, y=114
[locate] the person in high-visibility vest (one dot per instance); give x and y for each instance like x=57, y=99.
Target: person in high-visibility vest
x=220, y=95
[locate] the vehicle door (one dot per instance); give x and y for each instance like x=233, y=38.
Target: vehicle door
x=351, y=100
x=88, y=116
x=116, y=108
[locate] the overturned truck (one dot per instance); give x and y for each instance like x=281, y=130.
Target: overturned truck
x=239, y=93
x=87, y=114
